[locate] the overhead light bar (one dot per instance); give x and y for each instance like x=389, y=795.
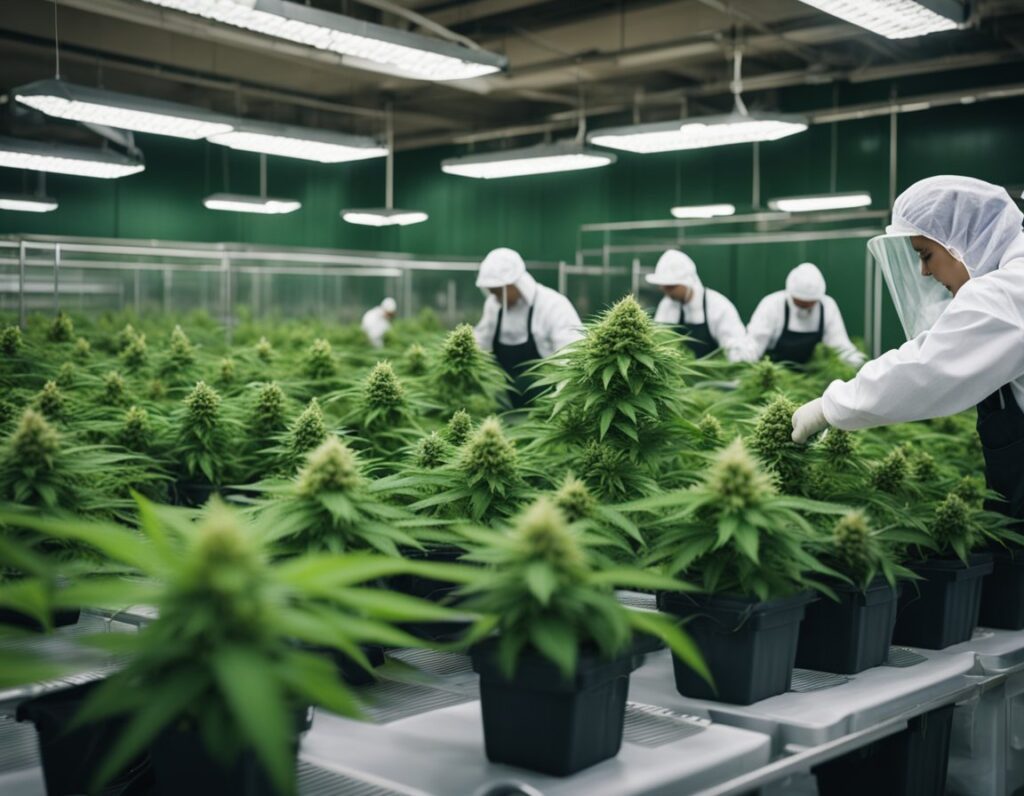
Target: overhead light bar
x=364, y=44
x=242, y=203
x=703, y=211
x=383, y=217
x=828, y=201
x=540, y=159
x=65, y=100
x=304, y=143
x=18, y=153
x=26, y=203
x=896, y=19
x=699, y=132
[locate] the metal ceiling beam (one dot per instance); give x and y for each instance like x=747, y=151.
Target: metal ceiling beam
x=480, y=9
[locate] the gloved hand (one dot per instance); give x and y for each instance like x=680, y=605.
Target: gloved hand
x=808, y=420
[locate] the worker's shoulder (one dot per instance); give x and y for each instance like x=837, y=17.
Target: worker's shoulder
x=777, y=297
x=715, y=296
x=549, y=295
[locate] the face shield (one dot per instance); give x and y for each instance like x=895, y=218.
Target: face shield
x=919, y=300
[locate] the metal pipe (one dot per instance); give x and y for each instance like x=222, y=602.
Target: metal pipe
x=749, y=218
x=21, y=285
x=56, y=278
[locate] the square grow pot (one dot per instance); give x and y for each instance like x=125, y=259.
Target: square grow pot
x=430, y=589
x=850, y=635
x=942, y=609
x=541, y=721
x=1002, y=594
x=71, y=758
x=749, y=646
x=61, y=618
x=912, y=762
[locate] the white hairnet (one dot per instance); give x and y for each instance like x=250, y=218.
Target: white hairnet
x=976, y=221
x=805, y=283
x=674, y=268
x=500, y=268
x=389, y=305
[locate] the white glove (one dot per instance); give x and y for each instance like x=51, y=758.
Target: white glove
x=808, y=420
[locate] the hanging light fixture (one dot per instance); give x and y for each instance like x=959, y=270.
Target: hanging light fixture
x=362, y=44
x=539, y=159
x=18, y=153
x=244, y=203
x=703, y=211
x=701, y=132
x=27, y=203
x=304, y=143
x=386, y=216
x=896, y=19
x=826, y=201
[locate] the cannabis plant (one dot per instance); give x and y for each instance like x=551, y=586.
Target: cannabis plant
x=320, y=362
x=305, y=434
x=264, y=351
x=267, y=415
x=135, y=354
x=606, y=522
x=414, y=360
x=459, y=428
x=51, y=401
x=207, y=436
x=11, y=341
x=465, y=376
x=82, y=351
x=62, y=330
x=861, y=553
x=382, y=411
x=431, y=451
x=772, y=441
x=711, y=433
x=114, y=389
x=543, y=589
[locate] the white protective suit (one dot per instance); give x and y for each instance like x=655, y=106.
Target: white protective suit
x=555, y=321
x=805, y=282
x=676, y=268
x=977, y=343
x=376, y=322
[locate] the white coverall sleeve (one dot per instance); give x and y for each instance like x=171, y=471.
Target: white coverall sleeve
x=975, y=347
x=488, y=324
x=667, y=311
x=562, y=325
x=375, y=326
x=726, y=327
x=835, y=336
x=765, y=325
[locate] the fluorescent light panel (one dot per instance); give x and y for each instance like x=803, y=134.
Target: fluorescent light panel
x=65, y=100
x=700, y=132
x=241, y=203
x=383, y=217
x=17, y=153
x=829, y=201
x=703, y=211
x=304, y=143
x=26, y=203
x=896, y=19
x=540, y=159
x=369, y=45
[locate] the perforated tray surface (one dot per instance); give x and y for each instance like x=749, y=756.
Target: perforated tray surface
x=806, y=680
x=903, y=658
x=18, y=746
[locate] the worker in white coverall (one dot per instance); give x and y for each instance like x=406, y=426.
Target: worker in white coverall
x=707, y=319
x=965, y=327
x=788, y=324
x=522, y=320
x=377, y=321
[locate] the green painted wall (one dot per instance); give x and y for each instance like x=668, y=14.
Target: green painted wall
x=540, y=215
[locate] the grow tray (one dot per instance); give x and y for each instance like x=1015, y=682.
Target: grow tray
x=996, y=651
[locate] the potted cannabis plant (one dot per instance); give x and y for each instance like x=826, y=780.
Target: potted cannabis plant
x=205, y=445
x=748, y=550
x=463, y=376
x=555, y=675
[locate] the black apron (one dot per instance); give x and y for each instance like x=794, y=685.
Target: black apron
x=797, y=347
x=513, y=359
x=1001, y=428
x=701, y=342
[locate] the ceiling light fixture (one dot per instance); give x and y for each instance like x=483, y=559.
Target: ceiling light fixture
x=703, y=211
x=17, y=153
x=896, y=19
x=827, y=201
x=26, y=203
x=304, y=143
x=244, y=203
x=362, y=44
x=539, y=159
x=64, y=100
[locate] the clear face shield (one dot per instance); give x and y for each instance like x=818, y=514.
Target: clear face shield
x=919, y=300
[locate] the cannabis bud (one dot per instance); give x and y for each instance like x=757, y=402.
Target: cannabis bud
x=382, y=389
x=489, y=454
x=416, y=360
x=51, y=401
x=924, y=467
x=268, y=412
x=890, y=474
x=431, y=451
x=135, y=353
x=971, y=490
x=124, y=337
x=838, y=447
x=113, y=388
x=10, y=340
x=710, y=432
x=309, y=429
x=66, y=375
x=225, y=570
x=264, y=350
x=574, y=499
x=82, y=350
x=625, y=328
x=62, y=330
x=774, y=428
x=203, y=405
x=182, y=353
x=320, y=360
x=460, y=353
x=134, y=433
x=764, y=376
x=34, y=442
x=952, y=523
x=460, y=426
x=736, y=478
x=227, y=370
x=331, y=467
x=542, y=534
x=156, y=389
x=852, y=538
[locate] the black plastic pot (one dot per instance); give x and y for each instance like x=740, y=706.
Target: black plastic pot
x=913, y=762
x=942, y=609
x=71, y=758
x=1002, y=595
x=541, y=721
x=749, y=646
x=850, y=635
x=430, y=589
x=62, y=618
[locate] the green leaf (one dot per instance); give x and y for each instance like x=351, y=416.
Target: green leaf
x=556, y=641
x=630, y=577
x=395, y=606
x=606, y=375
x=541, y=580
x=678, y=641
x=606, y=421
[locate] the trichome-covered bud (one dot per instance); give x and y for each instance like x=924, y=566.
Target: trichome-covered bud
x=330, y=467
